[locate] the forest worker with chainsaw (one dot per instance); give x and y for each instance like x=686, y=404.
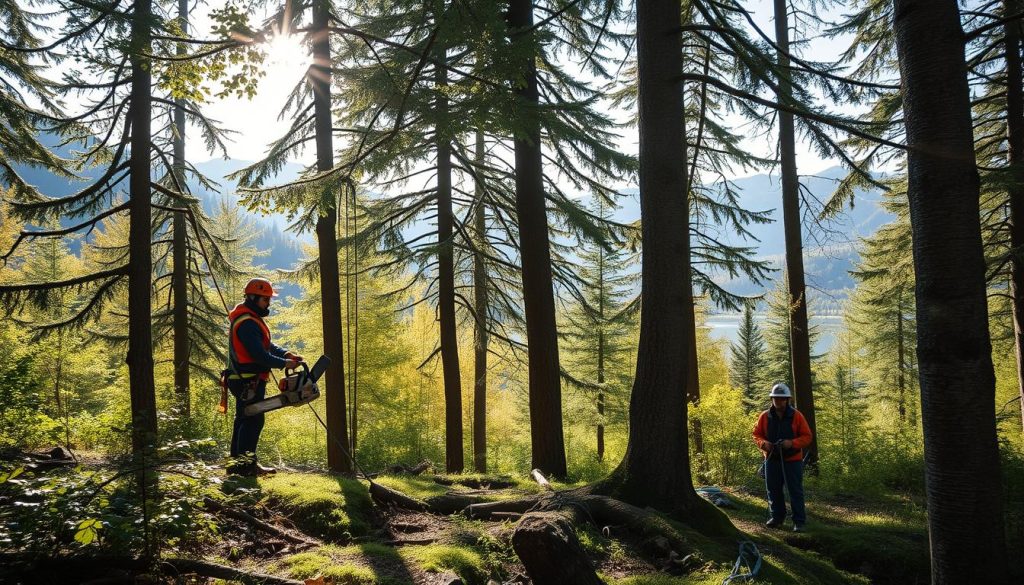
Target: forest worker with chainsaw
x=252, y=355
x=782, y=433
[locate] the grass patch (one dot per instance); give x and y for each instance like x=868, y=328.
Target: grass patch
x=885, y=541
x=713, y=578
x=309, y=564
x=416, y=486
x=325, y=506
x=436, y=558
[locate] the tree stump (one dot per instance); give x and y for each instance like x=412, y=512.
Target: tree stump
x=547, y=545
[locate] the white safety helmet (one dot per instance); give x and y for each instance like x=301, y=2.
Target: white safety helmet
x=780, y=390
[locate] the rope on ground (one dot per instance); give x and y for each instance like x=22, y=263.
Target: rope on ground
x=747, y=564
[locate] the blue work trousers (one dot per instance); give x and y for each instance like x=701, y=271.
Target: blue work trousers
x=246, y=433
x=794, y=484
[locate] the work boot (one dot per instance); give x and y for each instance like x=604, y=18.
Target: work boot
x=772, y=523
x=244, y=470
x=261, y=470
x=798, y=528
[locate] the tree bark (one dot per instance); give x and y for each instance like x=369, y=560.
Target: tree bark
x=140, y=268
x=546, y=434
x=453, y=454
x=1015, y=148
x=656, y=468
x=327, y=242
x=480, y=323
x=181, y=342
x=900, y=350
x=962, y=475
x=800, y=345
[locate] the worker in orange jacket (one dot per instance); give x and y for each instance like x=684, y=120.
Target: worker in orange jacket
x=782, y=433
x=252, y=356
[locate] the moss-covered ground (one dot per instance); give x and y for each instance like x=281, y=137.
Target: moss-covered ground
x=847, y=542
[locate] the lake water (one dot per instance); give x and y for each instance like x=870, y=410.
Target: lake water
x=726, y=326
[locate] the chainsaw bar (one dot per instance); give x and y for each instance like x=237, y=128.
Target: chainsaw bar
x=297, y=389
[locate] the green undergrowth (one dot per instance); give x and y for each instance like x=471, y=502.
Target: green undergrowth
x=328, y=507
x=464, y=561
x=849, y=542
x=423, y=487
x=886, y=541
x=359, y=564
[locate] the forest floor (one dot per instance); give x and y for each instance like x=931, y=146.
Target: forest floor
x=352, y=540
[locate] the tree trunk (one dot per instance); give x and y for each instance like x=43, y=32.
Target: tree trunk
x=181, y=342
x=964, y=488
x=800, y=347
x=453, y=455
x=600, y=395
x=1015, y=147
x=480, y=324
x=900, y=349
x=327, y=242
x=546, y=435
x=140, y=267
x=656, y=468
x=600, y=349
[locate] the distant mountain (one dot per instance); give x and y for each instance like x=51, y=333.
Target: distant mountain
x=284, y=249
x=829, y=249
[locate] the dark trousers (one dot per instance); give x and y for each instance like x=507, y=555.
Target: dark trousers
x=794, y=483
x=246, y=433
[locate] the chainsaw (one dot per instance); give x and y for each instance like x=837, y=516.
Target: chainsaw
x=298, y=387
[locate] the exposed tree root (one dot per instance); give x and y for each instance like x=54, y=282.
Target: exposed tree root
x=258, y=524
x=208, y=569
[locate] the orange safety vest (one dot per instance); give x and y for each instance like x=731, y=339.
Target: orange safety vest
x=240, y=355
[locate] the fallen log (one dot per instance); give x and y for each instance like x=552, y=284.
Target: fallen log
x=386, y=496
x=488, y=510
x=255, y=522
x=493, y=483
x=546, y=543
x=216, y=571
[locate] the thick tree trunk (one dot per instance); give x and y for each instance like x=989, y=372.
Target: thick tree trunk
x=546, y=435
x=962, y=476
x=140, y=268
x=327, y=243
x=656, y=468
x=900, y=350
x=140, y=275
x=181, y=342
x=1015, y=147
x=446, y=283
x=800, y=346
x=600, y=380
x=480, y=324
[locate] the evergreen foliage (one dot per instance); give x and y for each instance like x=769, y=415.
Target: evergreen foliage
x=748, y=362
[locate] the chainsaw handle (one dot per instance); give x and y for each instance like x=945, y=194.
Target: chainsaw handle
x=305, y=371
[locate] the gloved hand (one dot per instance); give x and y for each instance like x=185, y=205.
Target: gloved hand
x=294, y=356
x=290, y=364
x=787, y=444
x=766, y=446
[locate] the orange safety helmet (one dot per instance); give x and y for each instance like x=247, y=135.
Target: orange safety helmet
x=261, y=287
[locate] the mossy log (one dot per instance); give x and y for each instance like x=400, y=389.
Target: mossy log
x=215, y=506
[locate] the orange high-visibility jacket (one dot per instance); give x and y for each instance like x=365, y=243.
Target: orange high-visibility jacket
x=771, y=428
